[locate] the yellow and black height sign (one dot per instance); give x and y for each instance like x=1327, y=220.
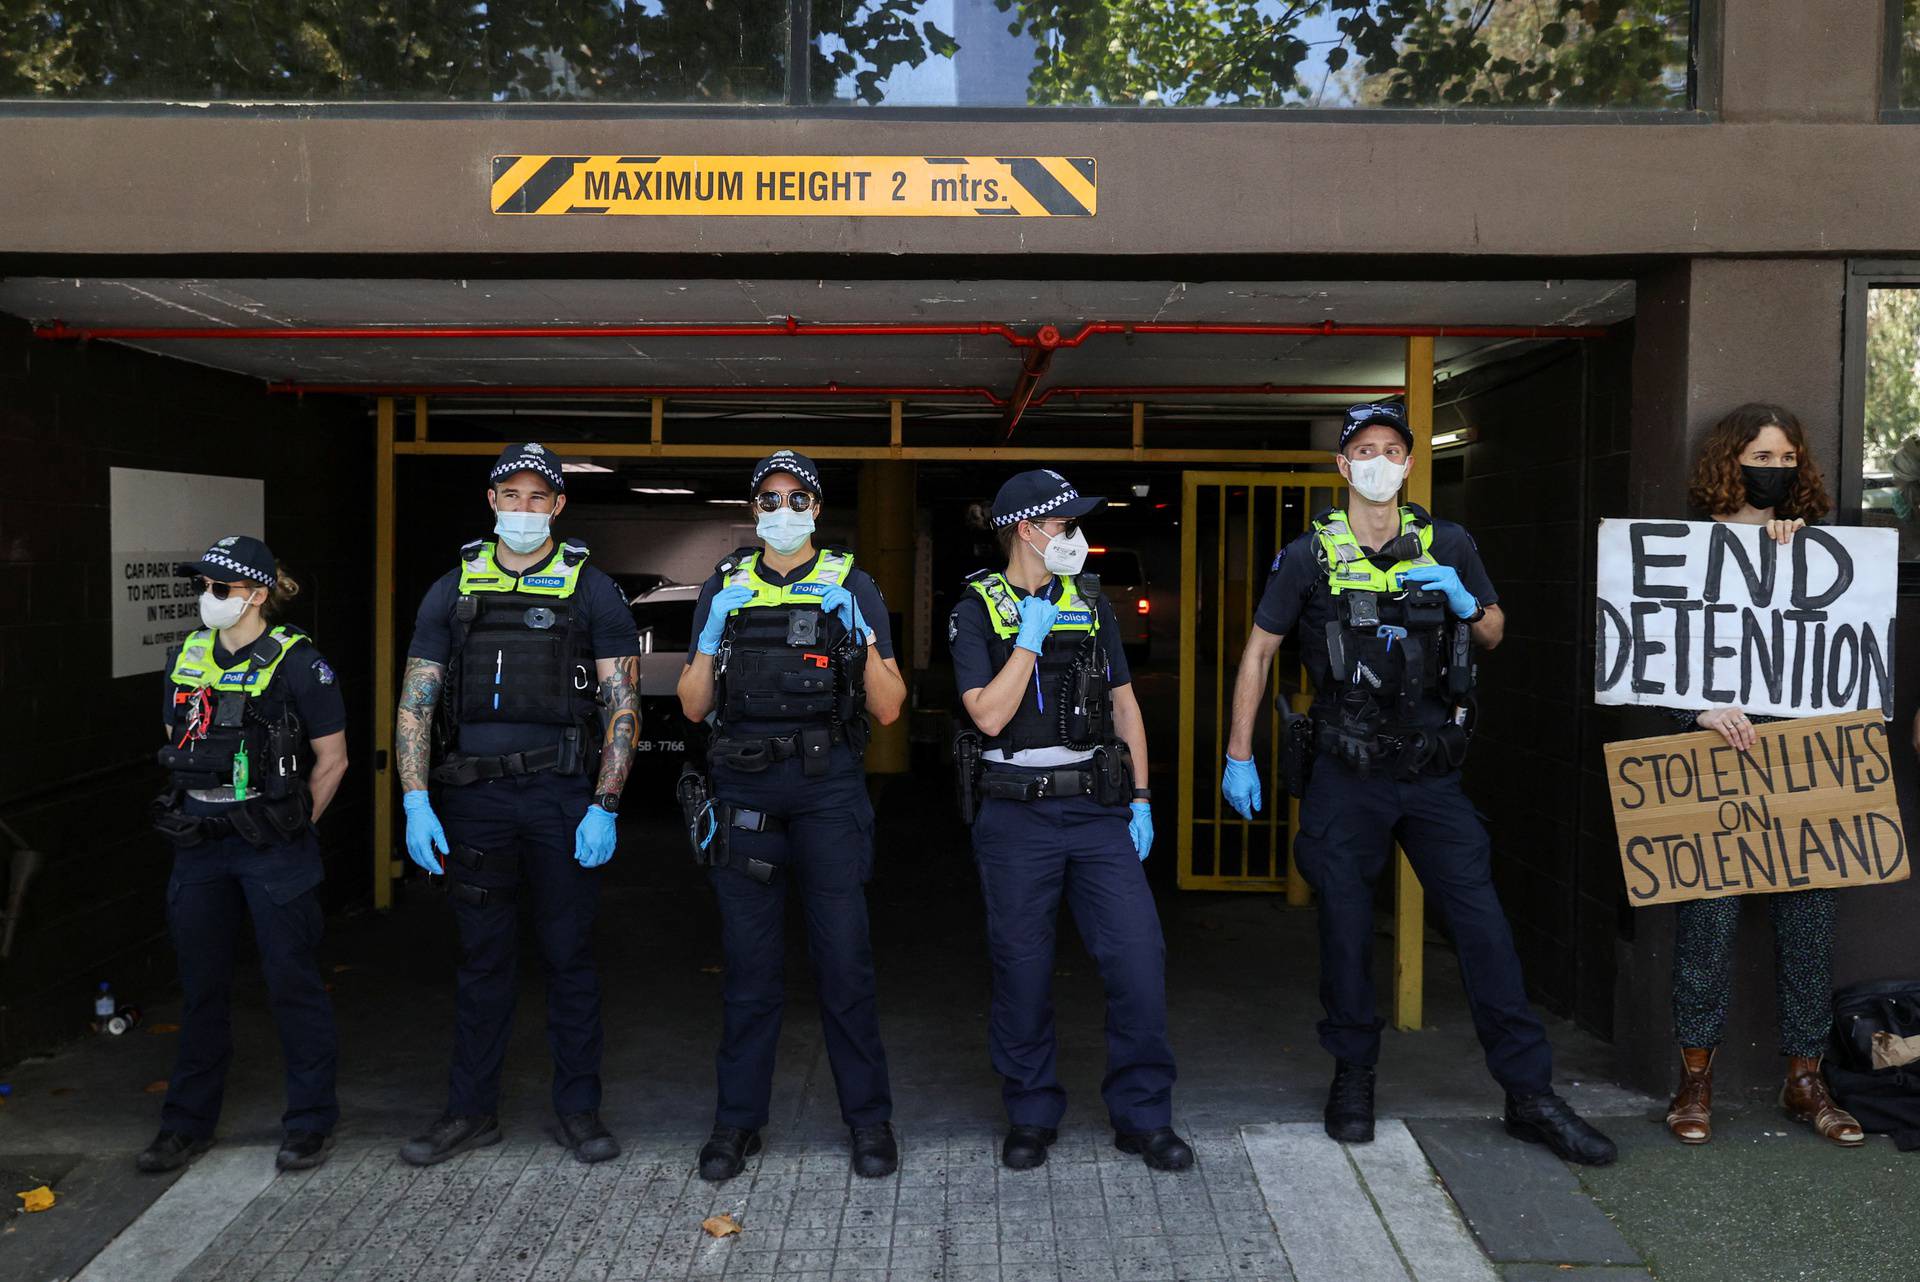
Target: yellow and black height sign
x=799, y=186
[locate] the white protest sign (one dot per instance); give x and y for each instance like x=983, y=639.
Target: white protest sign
x=1703, y=614
x=158, y=520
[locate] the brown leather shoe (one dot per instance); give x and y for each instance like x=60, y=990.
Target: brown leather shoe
x=1806, y=1099
x=1690, y=1117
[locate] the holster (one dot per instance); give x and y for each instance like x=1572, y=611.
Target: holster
x=1113, y=774
x=710, y=824
x=464, y=861
x=966, y=773
x=1296, y=752
x=259, y=823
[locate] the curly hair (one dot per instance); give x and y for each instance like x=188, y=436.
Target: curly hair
x=1718, y=487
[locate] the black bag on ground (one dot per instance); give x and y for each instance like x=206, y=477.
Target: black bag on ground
x=1886, y=1100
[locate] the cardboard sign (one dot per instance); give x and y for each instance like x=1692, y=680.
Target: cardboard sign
x=798, y=186
x=1810, y=804
x=158, y=520
x=1702, y=614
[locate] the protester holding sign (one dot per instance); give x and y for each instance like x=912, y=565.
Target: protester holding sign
x=1755, y=469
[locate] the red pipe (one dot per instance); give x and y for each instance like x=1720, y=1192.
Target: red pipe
x=1047, y=336
x=1033, y=368
x=842, y=390
x=1136, y=392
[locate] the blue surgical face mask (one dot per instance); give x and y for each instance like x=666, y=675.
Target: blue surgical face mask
x=784, y=530
x=522, y=532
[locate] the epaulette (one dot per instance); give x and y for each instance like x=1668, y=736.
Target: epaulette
x=470, y=551
x=981, y=573
x=572, y=551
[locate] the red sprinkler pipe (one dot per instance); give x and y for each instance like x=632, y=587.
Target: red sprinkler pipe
x=1033, y=368
x=1140, y=391
x=1047, y=336
x=841, y=390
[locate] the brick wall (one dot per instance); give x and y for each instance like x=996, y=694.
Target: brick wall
x=68, y=414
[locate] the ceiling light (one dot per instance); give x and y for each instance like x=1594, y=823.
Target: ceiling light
x=1141, y=490
x=1459, y=436
x=659, y=489
x=583, y=467
x=724, y=502
x=1119, y=503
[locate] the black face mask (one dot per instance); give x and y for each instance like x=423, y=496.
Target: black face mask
x=1768, y=487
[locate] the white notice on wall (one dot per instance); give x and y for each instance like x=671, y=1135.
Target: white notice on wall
x=1701, y=614
x=158, y=520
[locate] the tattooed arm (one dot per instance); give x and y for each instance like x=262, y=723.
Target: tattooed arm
x=620, y=692
x=413, y=738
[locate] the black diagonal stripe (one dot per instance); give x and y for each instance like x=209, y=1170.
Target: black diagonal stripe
x=537, y=190
x=1084, y=164
x=985, y=211
x=638, y=160
x=1043, y=186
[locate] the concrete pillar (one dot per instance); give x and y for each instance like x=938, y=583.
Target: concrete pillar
x=1801, y=62
x=1708, y=335
x=888, y=505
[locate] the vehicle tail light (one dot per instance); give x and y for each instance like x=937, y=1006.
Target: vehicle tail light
x=1141, y=606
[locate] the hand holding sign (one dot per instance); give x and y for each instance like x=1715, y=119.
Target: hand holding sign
x=1732, y=724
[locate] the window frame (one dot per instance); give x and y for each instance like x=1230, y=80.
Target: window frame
x=1864, y=276
x=1892, y=110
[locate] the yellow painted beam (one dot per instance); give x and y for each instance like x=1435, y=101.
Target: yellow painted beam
x=1189, y=670
x=385, y=529
x=1409, y=900
x=939, y=453
x=888, y=539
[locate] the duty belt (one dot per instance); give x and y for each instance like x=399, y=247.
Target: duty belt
x=1436, y=750
x=811, y=744
x=1020, y=785
x=460, y=771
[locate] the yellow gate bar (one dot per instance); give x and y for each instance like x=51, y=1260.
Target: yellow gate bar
x=385, y=867
x=1409, y=902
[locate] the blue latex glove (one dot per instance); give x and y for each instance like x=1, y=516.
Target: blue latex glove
x=1036, y=620
x=1140, y=828
x=725, y=602
x=841, y=601
x=593, y=840
x=1240, y=784
x=424, y=833
x=1444, y=578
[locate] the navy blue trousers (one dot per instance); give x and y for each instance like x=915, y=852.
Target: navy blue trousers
x=826, y=850
x=215, y=888
x=1347, y=829
x=1030, y=855
x=528, y=821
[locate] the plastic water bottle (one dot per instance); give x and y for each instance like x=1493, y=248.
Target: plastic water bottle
x=103, y=1005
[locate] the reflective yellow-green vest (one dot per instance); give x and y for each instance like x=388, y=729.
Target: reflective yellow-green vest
x=830, y=569
x=521, y=653
x=1350, y=569
x=194, y=667
x=479, y=572
x=1069, y=703
x=1077, y=615
x=767, y=677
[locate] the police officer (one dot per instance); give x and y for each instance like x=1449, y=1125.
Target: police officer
x=1389, y=605
x=1060, y=806
x=791, y=652
x=256, y=745
x=507, y=651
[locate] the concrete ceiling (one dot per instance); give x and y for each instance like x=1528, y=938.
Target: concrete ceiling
x=771, y=362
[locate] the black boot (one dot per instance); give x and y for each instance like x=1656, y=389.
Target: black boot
x=1548, y=1119
x=1026, y=1147
x=589, y=1140
x=1349, y=1112
x=876, y=1154
x=1162, y=1149
x=450, y=1136
x=726, y=1152
x=303, y=1150
x=170, y=1151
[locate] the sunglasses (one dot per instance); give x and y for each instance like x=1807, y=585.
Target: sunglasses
x=769, y=500
x=220, y=591
x=1067, y=531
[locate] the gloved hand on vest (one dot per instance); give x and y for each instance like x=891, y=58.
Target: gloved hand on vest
x=724, y=602
x=1240, y=785
x=594, y=839
x=1140, y=828
x=424, y=833
x=1444, y=578
x=838, y=600
x=1036, y=620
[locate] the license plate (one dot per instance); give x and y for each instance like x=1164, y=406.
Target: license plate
x=660, y=745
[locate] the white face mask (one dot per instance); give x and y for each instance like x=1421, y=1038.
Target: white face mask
x=1377, y=479
x=1065, y=553
x=522, y=532
x=784, y=530
x=223, y=614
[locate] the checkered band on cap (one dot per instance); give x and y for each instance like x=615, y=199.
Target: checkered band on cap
x=215, y=556
x=789, y=462
x=541, y=463
x=1065, y=496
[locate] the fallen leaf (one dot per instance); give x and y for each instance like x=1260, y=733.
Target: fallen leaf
x=156, y=1088
x=715, y=1225
x=37, y=1199
x=155, y=1029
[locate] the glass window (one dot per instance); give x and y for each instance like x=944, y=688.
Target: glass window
x=1254, y=53
x=1890, y=442
x=680, y=51
x=1909, y=53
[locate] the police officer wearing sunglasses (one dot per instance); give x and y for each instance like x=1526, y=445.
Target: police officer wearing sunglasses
x=256, y=747
x=1053, y=778
x=791, y=653
x=1390, y=606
